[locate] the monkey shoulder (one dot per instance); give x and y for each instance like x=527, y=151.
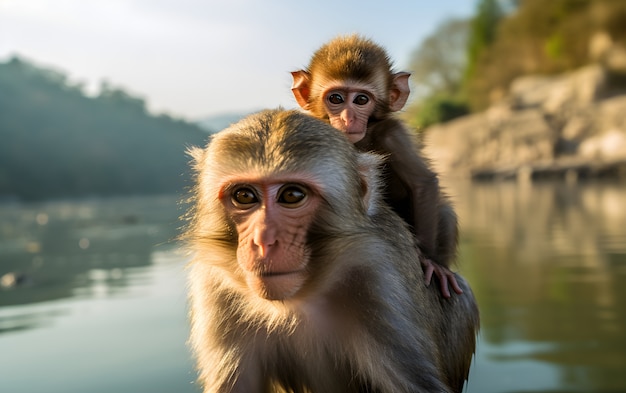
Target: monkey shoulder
x=384, y=135
x=391, y=138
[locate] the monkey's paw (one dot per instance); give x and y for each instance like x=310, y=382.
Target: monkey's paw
x=445, y=276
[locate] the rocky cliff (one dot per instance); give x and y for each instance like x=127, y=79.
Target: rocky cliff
x=569, y=126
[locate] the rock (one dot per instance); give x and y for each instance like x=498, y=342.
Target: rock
x=495, y=138
x=553, y=93
x=615, y=60
x=609, y=146
x=531, y=91
x=546, y=125
x=599, y=44
x=525, y=137
x=609, y=114
x=586, y=84
x=576, y=128
x=450, y=144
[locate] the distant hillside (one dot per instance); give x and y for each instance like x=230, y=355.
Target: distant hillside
x=219, y=122
x=57, y=142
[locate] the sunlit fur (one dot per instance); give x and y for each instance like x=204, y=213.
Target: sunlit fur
x=265, y=145
x=364, y=320
x=349, y=59
x=353, y=63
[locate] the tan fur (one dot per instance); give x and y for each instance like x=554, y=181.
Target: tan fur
x=349, y=59
x=363, y=322
x=411, y=187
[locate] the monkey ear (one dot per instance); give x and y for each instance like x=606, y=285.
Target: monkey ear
x=399, y=93
x=369, y=165
x=301, y=88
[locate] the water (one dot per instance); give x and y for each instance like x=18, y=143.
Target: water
x=548, y=267
x=101, y=304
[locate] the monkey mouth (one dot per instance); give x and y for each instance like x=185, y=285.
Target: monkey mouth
x=354, y=136
x=278, y=274
x=277, y=285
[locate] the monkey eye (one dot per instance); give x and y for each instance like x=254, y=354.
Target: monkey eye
x=292, y=196
x=244, y=197
x=335, y=98
x=361, y=99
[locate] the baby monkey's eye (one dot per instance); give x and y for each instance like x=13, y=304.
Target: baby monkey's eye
x=361, y=99
x=335, y=98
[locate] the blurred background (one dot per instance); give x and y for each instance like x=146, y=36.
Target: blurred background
x=521, y=106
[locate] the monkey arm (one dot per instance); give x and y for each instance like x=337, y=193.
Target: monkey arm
x=417, y=178
x=425, y=197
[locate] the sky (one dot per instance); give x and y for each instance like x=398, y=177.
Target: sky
x=194, y=59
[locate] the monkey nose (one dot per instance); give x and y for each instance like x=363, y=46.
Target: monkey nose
x=264, y=240
x=263, y=250
x=347, y=116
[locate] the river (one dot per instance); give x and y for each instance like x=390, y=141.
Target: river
x=101, y=307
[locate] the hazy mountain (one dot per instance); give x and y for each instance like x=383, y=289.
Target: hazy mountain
x=219, y=122
x=56, y=142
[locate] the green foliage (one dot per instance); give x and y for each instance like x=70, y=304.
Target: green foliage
x=437, y=68
x=437, y=109
x=56, y=142
x=554, y=46
x=438, y=64
x=539, y=37
x=482, y=33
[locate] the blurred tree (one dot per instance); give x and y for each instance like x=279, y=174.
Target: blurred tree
x=544, y=37
x=435, y=109
x=57, y=142
x=437, y=67
x=438, y=64
x=482, y=33
x=120, y=98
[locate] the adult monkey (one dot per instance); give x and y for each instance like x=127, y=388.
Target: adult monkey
x=302, y=281
x=350, y=83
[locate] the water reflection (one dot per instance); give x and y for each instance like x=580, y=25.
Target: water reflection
x=100, y=304
x=58, y=246
x=548, y=265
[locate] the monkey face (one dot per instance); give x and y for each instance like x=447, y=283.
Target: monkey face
x=272, y=219
x=349, y=109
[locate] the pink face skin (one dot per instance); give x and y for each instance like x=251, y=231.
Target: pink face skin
x=349, y=109
x=272, y=219
x=348, y=103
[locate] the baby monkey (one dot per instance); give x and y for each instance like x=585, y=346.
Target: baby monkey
x=350, y=84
